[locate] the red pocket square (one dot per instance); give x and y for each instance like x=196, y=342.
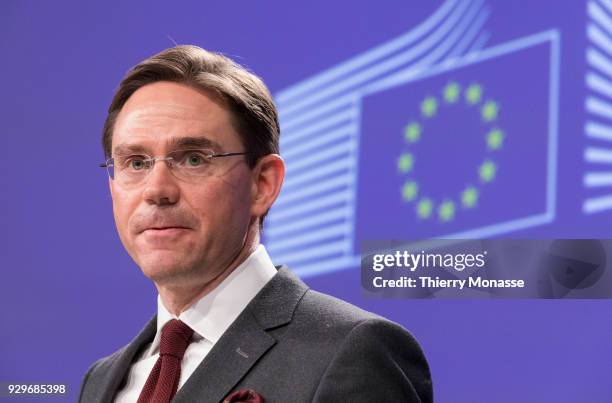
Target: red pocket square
x=244, y=396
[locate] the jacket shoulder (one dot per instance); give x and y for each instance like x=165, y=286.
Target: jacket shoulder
x=96, y=376
x=323, y=306
x=106, y=374
x=367, y=357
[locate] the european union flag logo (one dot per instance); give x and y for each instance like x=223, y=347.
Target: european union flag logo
x=461, y=150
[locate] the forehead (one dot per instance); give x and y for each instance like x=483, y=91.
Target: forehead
x=157, y=116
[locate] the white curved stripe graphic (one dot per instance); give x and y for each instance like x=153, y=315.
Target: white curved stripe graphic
x=598, y=131
x=314, y=220
x=366, y=58
x=394, y=62
x=598, y=155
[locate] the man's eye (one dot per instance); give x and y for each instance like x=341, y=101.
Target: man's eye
x=135, y=163
x=195, y=159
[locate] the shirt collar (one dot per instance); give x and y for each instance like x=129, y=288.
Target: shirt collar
x=212, y=314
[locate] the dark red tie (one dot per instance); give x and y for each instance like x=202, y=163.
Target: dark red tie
x=162, y=383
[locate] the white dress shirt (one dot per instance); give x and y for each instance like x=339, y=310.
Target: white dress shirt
x=209, y=318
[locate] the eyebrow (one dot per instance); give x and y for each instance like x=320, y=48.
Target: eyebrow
x=196, y=142
x=175, y=143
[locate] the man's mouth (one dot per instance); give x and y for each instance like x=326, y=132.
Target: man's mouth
x=165, y=231
x=163, y=228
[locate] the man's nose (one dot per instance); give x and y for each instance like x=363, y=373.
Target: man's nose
x=161, y=187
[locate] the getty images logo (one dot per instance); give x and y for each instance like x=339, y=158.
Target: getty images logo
x=413, y=261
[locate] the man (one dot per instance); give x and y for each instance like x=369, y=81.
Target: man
x=191, y=141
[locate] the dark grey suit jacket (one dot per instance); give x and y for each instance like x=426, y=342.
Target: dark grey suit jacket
x=291, y=344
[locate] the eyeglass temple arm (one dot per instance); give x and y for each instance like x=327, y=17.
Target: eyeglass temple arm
x=230, y=154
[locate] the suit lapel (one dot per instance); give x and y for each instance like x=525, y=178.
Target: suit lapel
x=245, y=341
x=120, y=362
x=230, y=359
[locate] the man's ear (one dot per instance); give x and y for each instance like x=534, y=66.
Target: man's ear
x=268, y=177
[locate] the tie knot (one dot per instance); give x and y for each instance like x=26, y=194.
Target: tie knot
x=175, y=338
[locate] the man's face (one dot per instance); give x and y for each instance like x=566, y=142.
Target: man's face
x=172, y=228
